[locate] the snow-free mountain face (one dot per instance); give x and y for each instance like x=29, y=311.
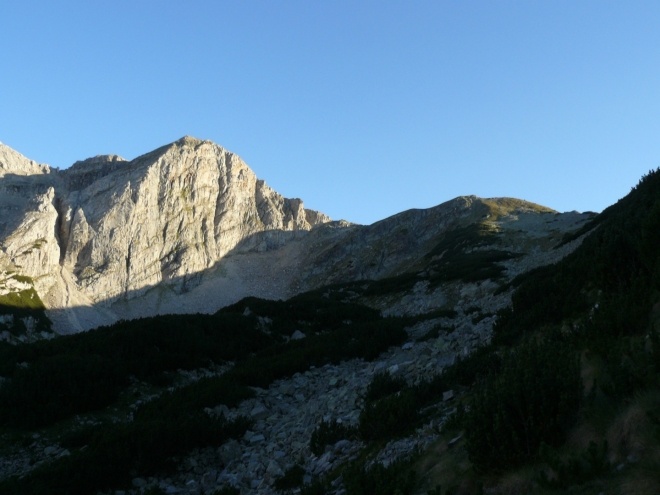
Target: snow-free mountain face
x=189, y=228
x=107, y=229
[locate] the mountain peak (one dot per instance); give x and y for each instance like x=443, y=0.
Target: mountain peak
x=115, y=229
x=189, y=140
x=12, y=162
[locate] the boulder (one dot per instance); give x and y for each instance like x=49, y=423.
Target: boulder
x=259, y=412
x=230, y=451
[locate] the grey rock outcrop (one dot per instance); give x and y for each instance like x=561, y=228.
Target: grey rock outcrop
x=108, y=229
x=189, y=228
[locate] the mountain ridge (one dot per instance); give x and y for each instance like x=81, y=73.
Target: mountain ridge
x=409, y=352
x=101, y=221
x=189, y=227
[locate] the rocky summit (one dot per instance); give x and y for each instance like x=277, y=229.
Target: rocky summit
x=107, y=231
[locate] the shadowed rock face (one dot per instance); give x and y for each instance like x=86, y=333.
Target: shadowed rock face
x=190, y=228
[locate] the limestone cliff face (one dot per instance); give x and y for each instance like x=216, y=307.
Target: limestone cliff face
x=108, y=229
x=13, y=163
x=189, y=228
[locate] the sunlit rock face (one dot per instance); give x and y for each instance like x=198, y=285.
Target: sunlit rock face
x=108, y=229
x=189, y=228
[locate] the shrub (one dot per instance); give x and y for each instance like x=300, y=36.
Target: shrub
x=316, y=487
x=533, y=399
x=434, y=332
x=398, y=412
x=456, y=258
x=397, y=478
x=359, y=340
x=389, y=416
x=576, y=469
x=115, y=451
x=382, y=385
x=227, y=490
x=173, y=424
x=619, y=261
x=467, y=370
x=80, y=373
x=293, y=478
x=309, y=310
x=329, y=433
x=84, y=372
x=207, y=392
x=57, y=387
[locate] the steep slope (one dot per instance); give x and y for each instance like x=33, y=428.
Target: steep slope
x=422, y=260
x=189, y=228
x=108, y=229
x=338, y=391
x=400, y=243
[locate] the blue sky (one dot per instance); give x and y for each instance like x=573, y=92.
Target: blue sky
x=362, y=109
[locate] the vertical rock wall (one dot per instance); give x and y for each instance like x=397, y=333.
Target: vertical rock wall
x=107, y=228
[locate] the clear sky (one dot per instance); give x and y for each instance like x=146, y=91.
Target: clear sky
x=362, y=109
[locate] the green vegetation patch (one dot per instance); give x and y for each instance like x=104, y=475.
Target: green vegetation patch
x=329, y=433
x=617, y=267
x=292, y=478
x=114, y=451
x=305, y=312
x=534, y=399
x=86, y=371
x=23, y=304
x=576, y=469
x=57, y=387
x=173, y=423
x=460, y=255
x=394, y=408
x=397, y=478
x=383, y=384
x=434, y=332
x=366, y=340
x=603, y=298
